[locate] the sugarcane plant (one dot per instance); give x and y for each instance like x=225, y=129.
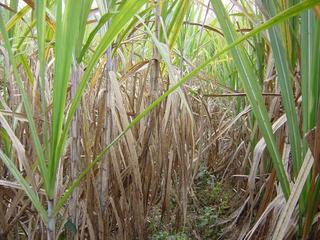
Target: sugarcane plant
x=62, y=27
x=285, y=62
x=68, y=23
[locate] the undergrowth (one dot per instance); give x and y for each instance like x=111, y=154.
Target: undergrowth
x=209, y=206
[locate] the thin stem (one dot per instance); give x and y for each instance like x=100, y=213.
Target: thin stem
x=51, y=221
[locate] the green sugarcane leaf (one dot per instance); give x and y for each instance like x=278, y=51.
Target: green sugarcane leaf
x=285, y=79
x=27, y=105
x=67, y=32
x=177, y=21
x=105, y=18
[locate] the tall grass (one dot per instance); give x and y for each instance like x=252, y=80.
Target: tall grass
x=121, y=87
x=67, y=24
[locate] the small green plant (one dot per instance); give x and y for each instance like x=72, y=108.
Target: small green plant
x=164, y=235
x=214, y=199
x=205, y=223
x=204, y=178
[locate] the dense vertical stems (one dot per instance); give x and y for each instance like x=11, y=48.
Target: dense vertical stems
x=253, y=90
x=273, y=21
x=136, y=154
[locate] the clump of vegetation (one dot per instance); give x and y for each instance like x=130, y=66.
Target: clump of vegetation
x=211, y=205
x=168, y=236
x=206, y=221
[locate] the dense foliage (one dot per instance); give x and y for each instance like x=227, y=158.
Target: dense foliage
x=115, y=114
